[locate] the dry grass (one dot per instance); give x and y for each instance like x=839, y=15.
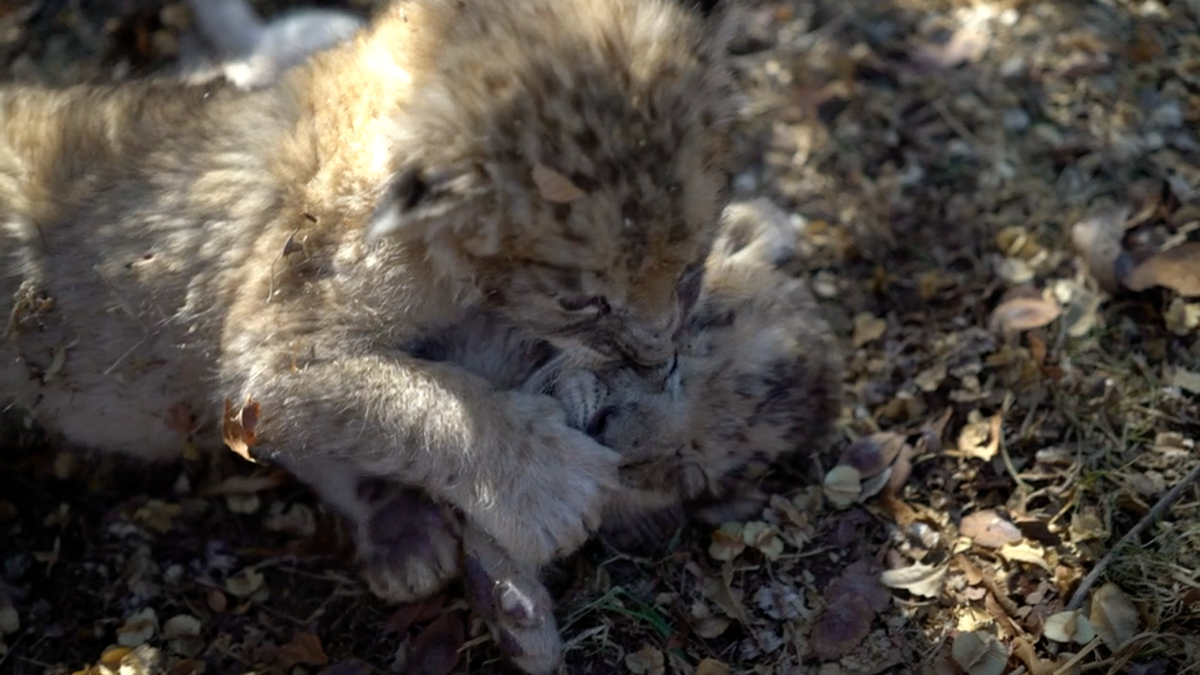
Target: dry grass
x=941, y=153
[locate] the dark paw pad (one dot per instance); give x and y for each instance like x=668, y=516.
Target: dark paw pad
x=408, y=544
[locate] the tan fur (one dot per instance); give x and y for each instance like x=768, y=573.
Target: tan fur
x=168, y=248
x=758, y=378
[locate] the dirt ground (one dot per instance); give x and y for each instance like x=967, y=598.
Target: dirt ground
x=1002, y=221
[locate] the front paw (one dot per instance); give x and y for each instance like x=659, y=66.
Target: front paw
x=409, y=546
x=551, y=494
x=513, y=602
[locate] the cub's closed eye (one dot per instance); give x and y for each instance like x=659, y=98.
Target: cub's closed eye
x=595, y=303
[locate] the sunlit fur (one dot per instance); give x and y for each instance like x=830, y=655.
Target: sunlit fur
x=179, y=247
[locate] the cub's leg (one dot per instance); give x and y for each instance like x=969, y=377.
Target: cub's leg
x=513, y=602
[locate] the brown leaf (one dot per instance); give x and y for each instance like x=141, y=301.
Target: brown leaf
x=711, y=666
x=412, y=613
x=1098, y=240
x=1113, y=616
x=435, y=649
x=237, y=426
x=841, y=627
x=305, y=648
x=1022, y=314
x=1176, y=268
x=555, y=187
x=989, y=529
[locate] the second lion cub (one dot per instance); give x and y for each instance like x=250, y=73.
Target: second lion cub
x=169, y=248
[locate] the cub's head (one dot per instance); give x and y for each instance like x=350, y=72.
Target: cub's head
x=563, y=157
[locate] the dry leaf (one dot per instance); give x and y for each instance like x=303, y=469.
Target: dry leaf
x=138, y=628
x=871, y=455
x=841, y=627
x=1026, y=552
x=918, y=579
x=1098, y=240
x=555, y=187
x=305, y=648
x=181, y=625
x=1021, y=314
x=764, y=537
x=1069, y=627
x=1113, y=616
x=244, y=583
x=1186, y=380
x=10, y=621
x=843, y=486
x=989, y=529
x=437, y=648
x=1182, y=317
x=980, y=653
x=237, y=426
x=646, y=661
x=1176, y=268
x=711, y=666
x=727, y=542
x=868, y=328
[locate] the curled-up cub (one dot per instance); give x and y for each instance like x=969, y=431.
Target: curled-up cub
x=757, y=377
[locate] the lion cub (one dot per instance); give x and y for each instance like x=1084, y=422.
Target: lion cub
x=757, y=377
x=175, y=251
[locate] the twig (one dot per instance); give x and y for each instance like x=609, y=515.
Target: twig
x=1155, y=513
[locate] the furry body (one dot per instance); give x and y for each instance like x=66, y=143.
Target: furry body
x=169, y=248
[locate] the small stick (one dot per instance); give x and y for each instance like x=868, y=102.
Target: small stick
x=1155, y=513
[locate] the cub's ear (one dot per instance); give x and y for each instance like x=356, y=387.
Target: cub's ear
x=415, y=198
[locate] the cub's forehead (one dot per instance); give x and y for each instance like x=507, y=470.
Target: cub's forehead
x=603, y=91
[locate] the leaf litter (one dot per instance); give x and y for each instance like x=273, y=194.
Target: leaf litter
x=1000, y=208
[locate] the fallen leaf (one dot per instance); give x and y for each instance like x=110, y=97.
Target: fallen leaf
x=237, y=427
x=711, y=666
x=918, y=579
x=181, y=625
x=980, y=653
x=244, y=583
x=1098, y=240
x=646, y=661
x=412, y=613
x=1113, y=616
x=1026, y=552
x=1021, y=314
x=1186, y=380
x=989, y=529
x=871, y=455
x=860, y=579
x=10, y=621
x=843, y=486
x=841, y=627
x=764, y=537
x=305, y=648
x=727, y=542
x=1176, y=268
x=1069, y=627
x=867, y=328
x=138, y=628
x=1182, y=317
x=435, y=650
x=158, y=515
x=555, y=187
x=980, y=437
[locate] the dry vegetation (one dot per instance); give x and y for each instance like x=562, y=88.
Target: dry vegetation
x=999, y=200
